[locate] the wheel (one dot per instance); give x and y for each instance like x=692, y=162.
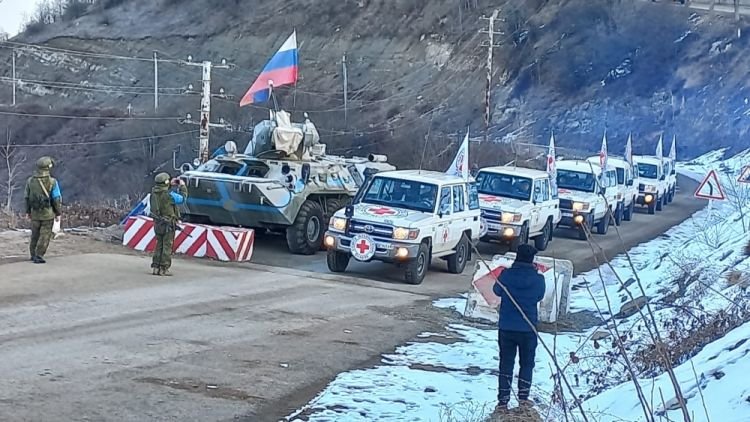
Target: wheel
x=416, y=269
x=628, y=214
x=603, y=225
x=337, y=261
x=522, y=239
x=652, y=207
x=671, y=195
x=541, y=241
x=618, y=213
x=457, y=261
x=305, y=236
x=659, y=203
x=333, y=205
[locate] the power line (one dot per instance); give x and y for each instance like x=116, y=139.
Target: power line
x=115, y=141
x=61, y=116
x=80, y=53
x=56, y=85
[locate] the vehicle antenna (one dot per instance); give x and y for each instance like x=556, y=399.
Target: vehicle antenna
x=426, y=139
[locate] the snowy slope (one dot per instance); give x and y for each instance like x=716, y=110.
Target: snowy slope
x=697, y=282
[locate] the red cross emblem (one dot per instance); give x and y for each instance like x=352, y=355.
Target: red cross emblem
x=445, y=235
x=381, y=211
x=550, y=162
x=363, y=246
x=602, y=158
x=490, y=198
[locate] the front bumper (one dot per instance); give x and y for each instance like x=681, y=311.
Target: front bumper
x=502, y=231
x=385, y=249
x=568, y=218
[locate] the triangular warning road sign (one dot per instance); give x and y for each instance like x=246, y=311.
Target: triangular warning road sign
x=744, y=175
x=710, y=188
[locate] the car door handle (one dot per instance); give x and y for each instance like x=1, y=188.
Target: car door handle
x=476, y=218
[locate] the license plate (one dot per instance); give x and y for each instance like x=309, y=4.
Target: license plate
x=493, y=226
x=567, y=214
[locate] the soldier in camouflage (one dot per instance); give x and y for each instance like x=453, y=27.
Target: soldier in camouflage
x=166, y=214
x=43, y=206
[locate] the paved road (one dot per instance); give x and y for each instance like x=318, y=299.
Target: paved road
x=93, y=337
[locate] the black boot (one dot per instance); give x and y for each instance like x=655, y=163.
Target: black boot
x=39, y=260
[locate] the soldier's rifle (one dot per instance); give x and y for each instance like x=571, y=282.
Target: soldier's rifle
x=176, y=226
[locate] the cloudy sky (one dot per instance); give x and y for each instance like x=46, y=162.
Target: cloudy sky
x=11, y=14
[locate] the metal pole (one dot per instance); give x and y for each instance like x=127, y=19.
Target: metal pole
x=346, y=92
x=156, y=82
x=490, y=48
x=205, y=113
x=13, y=54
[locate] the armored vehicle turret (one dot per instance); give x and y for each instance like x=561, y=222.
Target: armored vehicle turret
x=284, y=182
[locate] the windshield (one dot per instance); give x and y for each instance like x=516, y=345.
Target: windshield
x=504, y=185
x=649, y=171
x=620, y=176
x=210, y=166
x=398, y=193
x=575, y=180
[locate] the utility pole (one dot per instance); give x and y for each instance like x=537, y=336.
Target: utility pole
x=205, y=118
x=156, y=82
x=13, y=54
x=490, y=48
x=346, y=92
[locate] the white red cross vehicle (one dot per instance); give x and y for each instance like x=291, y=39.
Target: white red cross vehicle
x=407, y=217
x=653, y=186
x=588, y=195
x=627, y=187
x=518, y=204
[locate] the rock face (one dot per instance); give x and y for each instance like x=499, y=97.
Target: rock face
x=413, y=67
x=632, y=307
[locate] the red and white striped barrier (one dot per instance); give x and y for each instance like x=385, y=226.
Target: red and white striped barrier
x=196, y=240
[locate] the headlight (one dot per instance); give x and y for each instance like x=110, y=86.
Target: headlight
x=401, y=233
x=510, y=217
x=338, y=223
x=581, y=206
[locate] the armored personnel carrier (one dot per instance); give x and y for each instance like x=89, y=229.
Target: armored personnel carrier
x=284, y=182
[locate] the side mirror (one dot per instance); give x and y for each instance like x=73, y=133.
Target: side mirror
x=663, y=177
x=349, y=211
x=603, y=191
x=629, y=182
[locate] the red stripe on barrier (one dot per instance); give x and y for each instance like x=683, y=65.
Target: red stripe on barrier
x=221, y=238
x=197, y=243
x=140, y=234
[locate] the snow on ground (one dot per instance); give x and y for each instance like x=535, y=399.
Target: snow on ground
x=689, y=274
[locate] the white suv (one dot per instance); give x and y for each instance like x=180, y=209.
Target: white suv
x=518, y=204
x=407, y=217
x=627, y=187
x=653, y=186
x=588, y=195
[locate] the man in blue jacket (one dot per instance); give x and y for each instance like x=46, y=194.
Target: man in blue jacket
x=524, y=283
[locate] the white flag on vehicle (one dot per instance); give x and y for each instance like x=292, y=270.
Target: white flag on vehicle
x=552, y=162
x=660, y=149
x=629, y=150
x=673, y=149
x=603, y=156
x=460, y=165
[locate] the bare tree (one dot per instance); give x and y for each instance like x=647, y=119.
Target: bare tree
x=12, y=159
x=739, y=198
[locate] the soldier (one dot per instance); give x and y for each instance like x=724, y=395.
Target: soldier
x=166, y=214
x=43, y=206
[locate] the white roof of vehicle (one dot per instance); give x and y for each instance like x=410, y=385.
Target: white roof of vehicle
x=516, y=171
x=612, y=161
x=581, y=166
x=423, y=176
x=647, y=159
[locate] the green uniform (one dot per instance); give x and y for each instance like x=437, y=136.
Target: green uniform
x=43, y=203
x=166, y=215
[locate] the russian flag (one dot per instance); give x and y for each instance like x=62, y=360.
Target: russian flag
x=280, y=70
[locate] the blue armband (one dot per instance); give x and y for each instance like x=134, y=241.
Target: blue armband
x=177, y=198
x=56, y=193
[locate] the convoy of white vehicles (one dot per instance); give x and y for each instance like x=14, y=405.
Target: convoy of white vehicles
x=588, y=196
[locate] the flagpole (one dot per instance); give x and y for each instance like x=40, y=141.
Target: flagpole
x=273, y=96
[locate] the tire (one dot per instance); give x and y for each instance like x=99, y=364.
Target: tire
x=522, y=238
x=333, y=205
x=628, y=214
x=619, y=213
x=416, y=269
x=305, y=236
x=603, y=226
x=659, y=203
x=457, y=261
x=652, y=208
x=337, y=261
x=542, y=241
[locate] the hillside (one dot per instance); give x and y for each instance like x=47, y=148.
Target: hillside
x=572, y=66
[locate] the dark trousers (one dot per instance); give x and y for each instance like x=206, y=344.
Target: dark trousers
x=41, y=233
x=510, y=342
